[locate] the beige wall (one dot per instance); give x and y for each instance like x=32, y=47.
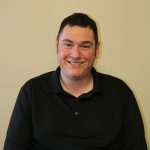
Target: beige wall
x=28, y=30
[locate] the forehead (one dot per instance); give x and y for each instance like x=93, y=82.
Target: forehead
x=77, y=33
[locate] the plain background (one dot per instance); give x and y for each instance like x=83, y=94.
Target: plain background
x=28, y=30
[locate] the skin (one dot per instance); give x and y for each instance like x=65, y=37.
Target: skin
x=76, y=53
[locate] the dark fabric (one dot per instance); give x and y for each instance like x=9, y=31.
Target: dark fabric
x=47, y=118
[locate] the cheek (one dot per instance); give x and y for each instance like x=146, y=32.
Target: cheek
x=62, y=53
x=90, y=56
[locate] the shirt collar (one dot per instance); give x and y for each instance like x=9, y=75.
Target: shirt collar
x=59, y=90
x=97, y=81
x=56, y=81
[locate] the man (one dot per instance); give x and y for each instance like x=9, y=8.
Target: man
x=75, y=107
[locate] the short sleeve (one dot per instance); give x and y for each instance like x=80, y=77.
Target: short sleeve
x=133, y=136
x=20, y=126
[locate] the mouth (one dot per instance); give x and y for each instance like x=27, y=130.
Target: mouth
x=75, y=62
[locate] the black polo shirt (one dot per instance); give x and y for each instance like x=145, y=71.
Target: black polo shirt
x=45, y=117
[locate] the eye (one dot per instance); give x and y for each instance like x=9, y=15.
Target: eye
x=67, y=45
x=85, y=46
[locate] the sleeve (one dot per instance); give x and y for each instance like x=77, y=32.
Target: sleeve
x=19, y=132
x=133, y=136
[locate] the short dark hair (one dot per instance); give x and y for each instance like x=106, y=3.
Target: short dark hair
x=82, y=20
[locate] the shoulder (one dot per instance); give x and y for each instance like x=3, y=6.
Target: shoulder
x=108, y=80
x=43, y=81
x=111, y=80
x=108, y=83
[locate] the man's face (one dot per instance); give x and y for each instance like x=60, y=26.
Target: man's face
x=76, y=51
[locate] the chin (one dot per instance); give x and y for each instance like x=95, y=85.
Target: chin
x=73, y=75
x=76, y=78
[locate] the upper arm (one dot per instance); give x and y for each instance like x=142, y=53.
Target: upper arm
x=20, y=127
x=133, y=136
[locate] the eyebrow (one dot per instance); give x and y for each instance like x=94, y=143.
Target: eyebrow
x=67, y=40
x=83, y=42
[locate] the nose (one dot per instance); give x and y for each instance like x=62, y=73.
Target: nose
x=75, y=52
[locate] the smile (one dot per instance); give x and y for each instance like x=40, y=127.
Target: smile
x=75, y=63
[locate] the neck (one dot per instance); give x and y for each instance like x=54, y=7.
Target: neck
x=77, y=87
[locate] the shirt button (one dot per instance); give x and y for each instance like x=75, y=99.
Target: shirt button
x=76, y=113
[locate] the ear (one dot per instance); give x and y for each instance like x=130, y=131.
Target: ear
x=97, y=50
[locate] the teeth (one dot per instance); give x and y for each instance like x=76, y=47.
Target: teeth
x=70, y=62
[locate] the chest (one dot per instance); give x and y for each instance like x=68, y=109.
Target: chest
x=61, y=118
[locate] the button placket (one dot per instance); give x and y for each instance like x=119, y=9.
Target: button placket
x=76, y=112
